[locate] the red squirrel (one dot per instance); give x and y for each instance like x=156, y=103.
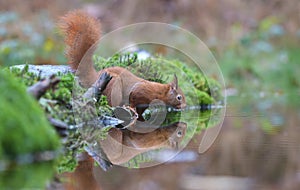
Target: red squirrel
x=81, y=32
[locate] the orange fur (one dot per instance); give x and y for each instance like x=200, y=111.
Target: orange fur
x=81, y=32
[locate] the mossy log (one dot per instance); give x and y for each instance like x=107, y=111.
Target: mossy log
x=24, y=128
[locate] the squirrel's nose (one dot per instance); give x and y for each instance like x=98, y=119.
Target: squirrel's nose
x=183, y=105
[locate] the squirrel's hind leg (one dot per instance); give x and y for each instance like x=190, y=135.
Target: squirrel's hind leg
x=114, y=92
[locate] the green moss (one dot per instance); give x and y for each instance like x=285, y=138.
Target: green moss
x=31, y=176
x=24, y=127
x=120, y=60
x=55, y=102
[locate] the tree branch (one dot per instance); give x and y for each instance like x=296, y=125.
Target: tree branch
x=39, y=89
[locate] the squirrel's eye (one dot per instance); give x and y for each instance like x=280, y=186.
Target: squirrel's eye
x=179, y=134
x=179, y=97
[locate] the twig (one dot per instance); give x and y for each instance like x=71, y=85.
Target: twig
x=39, y=89
x=60, y=126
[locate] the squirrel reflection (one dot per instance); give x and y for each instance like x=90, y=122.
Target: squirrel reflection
x=122, y=145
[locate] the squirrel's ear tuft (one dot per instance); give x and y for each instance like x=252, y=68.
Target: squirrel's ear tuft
x=174, y=83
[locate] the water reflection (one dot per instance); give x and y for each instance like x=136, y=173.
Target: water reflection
x=140, y=147
x=253, y=147
x=120, y=146
x=245, y=155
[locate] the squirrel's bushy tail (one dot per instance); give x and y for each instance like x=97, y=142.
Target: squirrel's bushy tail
x=81, y=32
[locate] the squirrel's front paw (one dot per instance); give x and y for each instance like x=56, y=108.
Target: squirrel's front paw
x=105, y=77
